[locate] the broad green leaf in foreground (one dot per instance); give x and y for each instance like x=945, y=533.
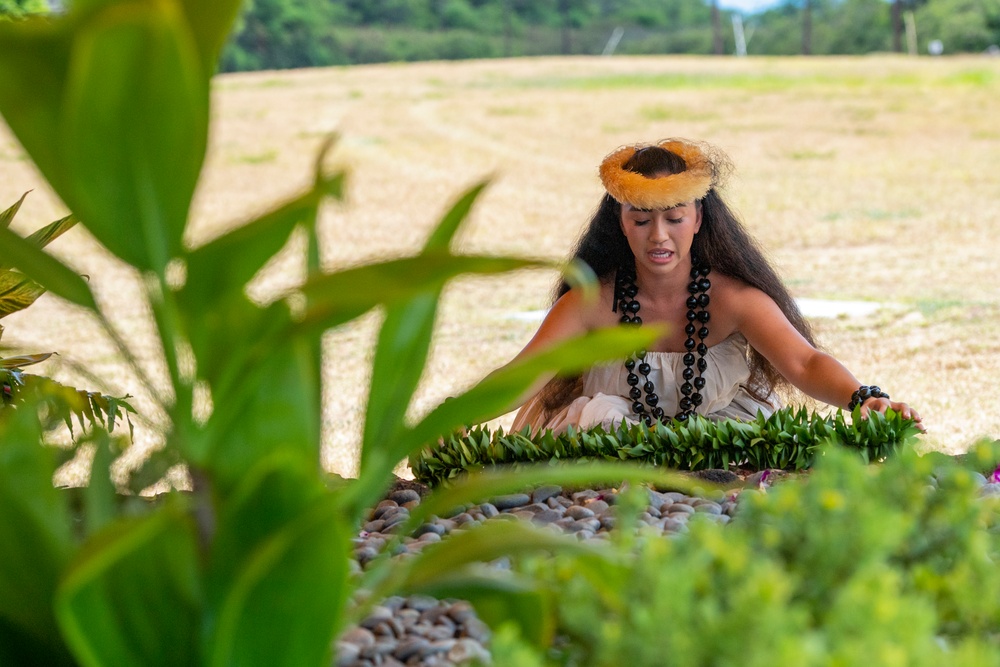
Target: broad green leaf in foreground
x=34, y=59
x=36, y=539
x=278, y=568
x=275, y=410
x=109, y=618
x=210, y=23
x=136, y=102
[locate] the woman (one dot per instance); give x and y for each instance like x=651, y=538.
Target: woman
x=668, y=250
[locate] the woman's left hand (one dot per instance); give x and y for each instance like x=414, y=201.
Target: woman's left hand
x=882, y=404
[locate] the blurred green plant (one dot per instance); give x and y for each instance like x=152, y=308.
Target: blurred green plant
x=111, y=101
x=18, y=292
x=788, y=439
x=853, y=565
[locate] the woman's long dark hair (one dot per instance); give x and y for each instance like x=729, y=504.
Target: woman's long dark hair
x=723, y=243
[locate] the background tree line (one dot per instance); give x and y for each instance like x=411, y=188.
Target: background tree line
x=296, y=33
x=276, y=34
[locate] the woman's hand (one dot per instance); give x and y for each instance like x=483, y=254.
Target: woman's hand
x=882, y=404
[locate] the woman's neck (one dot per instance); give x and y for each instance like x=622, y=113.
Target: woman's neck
x=663, y=286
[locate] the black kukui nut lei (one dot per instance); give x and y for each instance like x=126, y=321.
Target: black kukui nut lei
x=694, y=356
x=863, y=393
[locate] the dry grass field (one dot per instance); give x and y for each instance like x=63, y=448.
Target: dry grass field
x=874, y=179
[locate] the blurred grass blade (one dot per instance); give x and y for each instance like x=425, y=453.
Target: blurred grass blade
x=45, y=270
x=405, y=335
x=108, y=619
x=339, y=297
x=500, y=599
x=221, y=268
x=445, y=231
x=497, y=392
x=36, y=539
x=492, y=540
x=100, y=496
x=400, y=356
x=480, y=487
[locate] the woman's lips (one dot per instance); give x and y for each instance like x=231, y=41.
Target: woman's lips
x=661, y=256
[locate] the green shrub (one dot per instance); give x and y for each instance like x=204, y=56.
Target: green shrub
x=860, y=565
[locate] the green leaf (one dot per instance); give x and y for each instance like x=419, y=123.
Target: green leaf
x=275, y=409
x=52, y=231
x=100, y=497
x=213, y=300
x=24, y=360
x=8, y=216
x=210, y=23
x=17, y=292
x=34, y=59
x=477, y=487
x=45, y=270
x=133, y=595
x=137, y=104
x=278, y=571
x=36, y=539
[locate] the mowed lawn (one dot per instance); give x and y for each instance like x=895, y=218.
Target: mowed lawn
x=867, y=179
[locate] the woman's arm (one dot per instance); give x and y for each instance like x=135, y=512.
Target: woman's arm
x=569, y=316
x=816, y=373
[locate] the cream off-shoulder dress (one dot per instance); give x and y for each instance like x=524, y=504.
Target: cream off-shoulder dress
x=605, y=401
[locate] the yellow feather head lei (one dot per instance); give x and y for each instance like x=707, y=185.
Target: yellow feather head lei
x=703, y=172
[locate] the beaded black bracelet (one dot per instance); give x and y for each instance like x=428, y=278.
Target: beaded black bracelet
x=863, y=393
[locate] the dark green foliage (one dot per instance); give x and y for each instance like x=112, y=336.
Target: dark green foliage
x=297, y=33
x=788, y=440
x=853, y=565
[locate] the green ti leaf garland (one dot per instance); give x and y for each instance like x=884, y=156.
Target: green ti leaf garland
x=789, y=440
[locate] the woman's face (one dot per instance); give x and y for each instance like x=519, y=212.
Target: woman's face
x=661, y=239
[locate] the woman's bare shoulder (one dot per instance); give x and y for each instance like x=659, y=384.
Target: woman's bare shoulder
x=591, y=307
x=731, y=290
x=733, y=301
